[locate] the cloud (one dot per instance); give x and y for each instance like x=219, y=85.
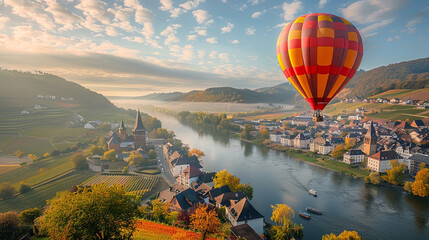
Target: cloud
x=200, y=15
x=212, y=40
x=62, y=15
x=369, y=11
x=250, y=31
x=166, y=5
x=170, y=33
x=200, y=30
x=201, y=54
x=148, y=32
x=223, y=56
x=3, y=21
x=291, y=9
x=188, y=52
x=192, y=37
x=235, y=42
x=95, y=9
x=31, y=11
x=224, y=1
x=322, y=3
x=418, y=18
x=111, y=31
x=134, y=39
x=189, y=5
x=227, y=28
x=212, y=54
x=143, y=15
x=256, y=14
x=370, y=29
x=254, y=2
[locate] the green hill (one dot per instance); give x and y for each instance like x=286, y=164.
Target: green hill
x=405, y=75
x=278, y=94
x=22, y=88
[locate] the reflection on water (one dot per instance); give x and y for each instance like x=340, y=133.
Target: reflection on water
x=376, y=212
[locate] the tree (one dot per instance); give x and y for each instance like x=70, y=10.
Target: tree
x=205, y=221
x=350, y=142
x=247, y=189
x=420, y=187
x=96, y=150
x=32, y=157
x=46, y=155
x=223, y=178
x=79, y=161
x=6, y=190
x=408, y=186
x=125, y=170
x=19, y=154
x=338, y=151
x=285, y=229
x=9, y=225
x=23, y=188
x=110, y=155
x=346, y=235
x=135, y=158
x=160, y=210
x=28, y=216
x=396, y=174
x=196, y=152
x=373, y=178
x=246, y=133
x=151, y=154
x=99, y=212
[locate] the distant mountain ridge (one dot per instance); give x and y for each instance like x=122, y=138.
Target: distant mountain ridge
x=404, y=75
x=278, y=94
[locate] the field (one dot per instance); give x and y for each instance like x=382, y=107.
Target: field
x=37, y=197
x=415, y=94
x=132, y=183
x=147, y=230
x=379, y=110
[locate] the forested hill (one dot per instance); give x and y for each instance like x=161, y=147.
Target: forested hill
x=22, y=88
x=274, y=94
x=405, y=75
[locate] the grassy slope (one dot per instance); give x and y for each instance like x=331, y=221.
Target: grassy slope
x=403, y=93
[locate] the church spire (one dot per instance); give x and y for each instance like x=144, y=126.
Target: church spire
x=371, y=131
x=122, y=125
x=139, y=123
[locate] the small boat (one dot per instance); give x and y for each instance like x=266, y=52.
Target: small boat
x=313, y=192
x=304, y=215
x=313, y=210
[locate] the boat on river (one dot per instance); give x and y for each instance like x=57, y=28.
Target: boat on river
x=313, y=192
x=313, y=210
x=304, y=214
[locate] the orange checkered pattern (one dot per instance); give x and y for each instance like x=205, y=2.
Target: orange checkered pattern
x=319, y=53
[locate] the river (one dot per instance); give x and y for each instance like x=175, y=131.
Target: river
x=375, y=212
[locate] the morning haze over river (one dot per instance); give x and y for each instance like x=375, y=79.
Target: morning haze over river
x=376, y=212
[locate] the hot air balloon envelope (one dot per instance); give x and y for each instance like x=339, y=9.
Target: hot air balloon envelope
x=319, y=53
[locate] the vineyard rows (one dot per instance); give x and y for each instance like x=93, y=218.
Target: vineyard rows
x=133, y=184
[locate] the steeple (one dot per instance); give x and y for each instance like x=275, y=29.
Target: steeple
x=122, y=125
x=371, y=131
x=370, y=141
x=139, y=123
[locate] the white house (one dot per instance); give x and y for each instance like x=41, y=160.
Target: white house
x=380, y=162
x=301, y=141
x=25, y=112
x=242, y=211
x=287, y=140
x=189, y=175
x=88, y=126
x=326, y=148
x=353, y=157
x=275, y=137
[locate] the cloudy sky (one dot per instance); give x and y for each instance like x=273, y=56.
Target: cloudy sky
x=135, y=47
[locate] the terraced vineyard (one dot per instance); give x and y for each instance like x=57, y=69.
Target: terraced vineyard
x=132, y=183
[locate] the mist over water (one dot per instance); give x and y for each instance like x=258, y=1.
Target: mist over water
x=376, y=212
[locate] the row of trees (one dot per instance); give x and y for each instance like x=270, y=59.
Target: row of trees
x=216, y=122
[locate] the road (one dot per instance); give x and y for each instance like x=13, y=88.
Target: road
x=163, y=165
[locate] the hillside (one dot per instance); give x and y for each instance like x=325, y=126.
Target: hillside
x=281, y=93
x=22, y=88
x=405, y=75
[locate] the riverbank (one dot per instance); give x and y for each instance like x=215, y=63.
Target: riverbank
x=314, y=159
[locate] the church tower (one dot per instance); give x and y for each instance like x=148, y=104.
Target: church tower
x=370, y=142
x=139, y=132
x=122, y=132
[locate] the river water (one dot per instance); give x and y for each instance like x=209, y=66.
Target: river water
x=375, y=212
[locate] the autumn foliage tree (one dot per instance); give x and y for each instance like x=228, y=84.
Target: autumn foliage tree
x=32, y=157
x=205, y=221
x=110, y=155
x=396, y=174
x=373, y=178
x=99, y=212
x=224, y=178
x=346, y=235
x=339, y=151
x=19, y=154
x=196, y=152
x=285, y=228
x=79, y=161
x=420, y=187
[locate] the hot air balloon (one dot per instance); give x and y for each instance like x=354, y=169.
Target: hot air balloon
x=319, y=53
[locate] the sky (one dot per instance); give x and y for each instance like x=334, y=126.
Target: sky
x=136, y=47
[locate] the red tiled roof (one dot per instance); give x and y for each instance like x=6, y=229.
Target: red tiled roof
x=385, y=155
x=191, y=172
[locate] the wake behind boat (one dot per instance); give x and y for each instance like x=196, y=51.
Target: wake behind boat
x=304, y=214
x=313, y=210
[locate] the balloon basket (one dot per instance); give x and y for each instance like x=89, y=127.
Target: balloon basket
x=317, y=116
